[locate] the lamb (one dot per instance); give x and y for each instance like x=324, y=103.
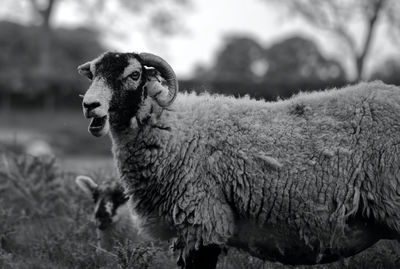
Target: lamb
x=115, y=223
x=306, y=180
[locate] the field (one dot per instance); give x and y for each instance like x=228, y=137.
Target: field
x=45, y=220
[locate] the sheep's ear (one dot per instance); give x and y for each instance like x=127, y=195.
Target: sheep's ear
x=84, y=70
x=154, y=86
x=86, y=184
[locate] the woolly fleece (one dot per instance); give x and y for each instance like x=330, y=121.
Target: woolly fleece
x=305, y=180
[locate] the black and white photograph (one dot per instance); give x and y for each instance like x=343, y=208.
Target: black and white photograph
x=188, y=134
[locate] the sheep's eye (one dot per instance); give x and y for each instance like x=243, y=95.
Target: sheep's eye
x=135, y=75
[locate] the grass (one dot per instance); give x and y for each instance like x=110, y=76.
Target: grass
x=45, y=222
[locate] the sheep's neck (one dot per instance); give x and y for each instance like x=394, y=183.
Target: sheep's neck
x=136, y=151
x=120, y=122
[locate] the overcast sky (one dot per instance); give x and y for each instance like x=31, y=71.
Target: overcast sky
x=208, y=22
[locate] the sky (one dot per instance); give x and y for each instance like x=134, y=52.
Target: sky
x=207, y=22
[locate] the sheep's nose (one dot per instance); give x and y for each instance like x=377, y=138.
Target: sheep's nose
x=92, y=105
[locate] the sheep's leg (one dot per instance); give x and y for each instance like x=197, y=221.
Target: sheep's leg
x=206, y=257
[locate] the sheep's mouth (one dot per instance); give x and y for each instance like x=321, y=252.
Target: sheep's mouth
x=97, y=125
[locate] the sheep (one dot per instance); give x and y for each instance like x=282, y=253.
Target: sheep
x=115, y=223
x=306, y=180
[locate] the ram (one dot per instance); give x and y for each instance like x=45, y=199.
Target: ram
x=306, y=180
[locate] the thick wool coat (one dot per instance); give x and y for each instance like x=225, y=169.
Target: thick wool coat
x=304, y=180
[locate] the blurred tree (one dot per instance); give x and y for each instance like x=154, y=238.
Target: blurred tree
x=336, y=15
x=43, y=10
x=45, y=47
x=293, y=59
x=388, y=71
x=241, y=58
x=298, y=59
x=162, y=17
x=20, y=61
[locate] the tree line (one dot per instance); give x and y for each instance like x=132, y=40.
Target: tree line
x=38, y=61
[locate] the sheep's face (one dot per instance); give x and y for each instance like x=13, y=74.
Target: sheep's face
x=117, y=84
x=120, y=84
x=109, y=199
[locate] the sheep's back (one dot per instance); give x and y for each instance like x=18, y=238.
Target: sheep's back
x=312, y=160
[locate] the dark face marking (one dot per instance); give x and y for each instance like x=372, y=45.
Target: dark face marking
x=108, y=200
x=125, y=101
x=112, y=65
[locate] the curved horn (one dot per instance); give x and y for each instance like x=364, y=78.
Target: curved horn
x=168, y=74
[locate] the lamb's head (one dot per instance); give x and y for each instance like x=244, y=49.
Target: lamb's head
x=109, y=199
x=120, y=84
